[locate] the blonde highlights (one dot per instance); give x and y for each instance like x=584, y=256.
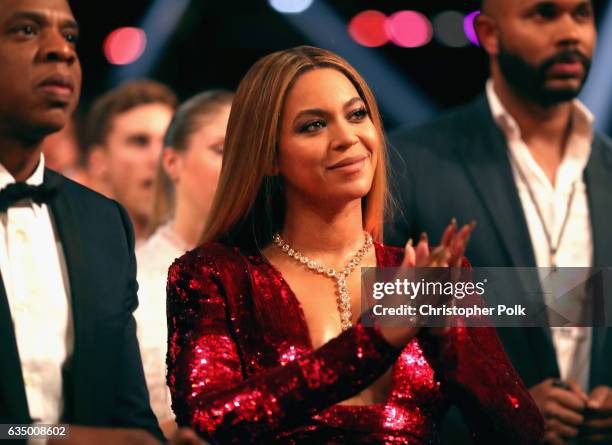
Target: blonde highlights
x=249, y=204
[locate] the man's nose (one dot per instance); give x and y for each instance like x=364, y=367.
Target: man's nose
x=569, y=31
x=55, y=47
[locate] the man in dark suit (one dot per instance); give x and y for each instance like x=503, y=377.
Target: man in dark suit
x=68, y=348
x=523, y=161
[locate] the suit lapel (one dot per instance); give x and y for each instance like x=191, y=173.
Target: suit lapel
x=13, y=400
x=78, y=392
x=484, y=154
x=485, y=158
x=598, y=179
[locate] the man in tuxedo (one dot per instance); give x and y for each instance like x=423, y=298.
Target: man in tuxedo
x=524, y=162
x=68, y=344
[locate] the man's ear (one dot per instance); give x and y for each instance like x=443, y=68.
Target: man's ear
x=172, y=163
x=98, y=164
x=488, y=34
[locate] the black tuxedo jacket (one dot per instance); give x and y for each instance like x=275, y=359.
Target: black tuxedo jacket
x=103, y=381
x=458, y=166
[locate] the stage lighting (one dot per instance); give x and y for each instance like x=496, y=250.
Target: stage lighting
x=449, y=29
x=468, y=26
x=409, y=29
x=124, y=45
x=368, y=28
x=290, y=6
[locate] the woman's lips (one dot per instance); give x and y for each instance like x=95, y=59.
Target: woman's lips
x=349, y=165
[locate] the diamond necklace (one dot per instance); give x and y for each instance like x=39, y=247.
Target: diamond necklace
x=344, y=301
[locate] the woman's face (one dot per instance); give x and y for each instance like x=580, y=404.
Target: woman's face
x=328, y=145
x=200, y=163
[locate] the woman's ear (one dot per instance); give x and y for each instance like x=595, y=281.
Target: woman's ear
x=273, y=169
x=172, y=163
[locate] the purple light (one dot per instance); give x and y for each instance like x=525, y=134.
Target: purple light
x=468, y=26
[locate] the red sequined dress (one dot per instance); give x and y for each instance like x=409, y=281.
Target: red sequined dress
x=241, y=367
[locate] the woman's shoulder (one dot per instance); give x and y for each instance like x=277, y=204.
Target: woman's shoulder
x=212, y=255
x=388, y=256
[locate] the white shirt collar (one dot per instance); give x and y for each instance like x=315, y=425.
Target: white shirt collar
x=582, y=118
x=36, y=178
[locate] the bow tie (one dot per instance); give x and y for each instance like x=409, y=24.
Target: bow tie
x=19, y=191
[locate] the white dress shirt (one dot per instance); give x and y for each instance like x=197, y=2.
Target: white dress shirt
x=154, y=257
x=572, y=345
x=36, y=284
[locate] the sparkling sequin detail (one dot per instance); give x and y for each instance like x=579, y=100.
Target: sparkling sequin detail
x=241, y=368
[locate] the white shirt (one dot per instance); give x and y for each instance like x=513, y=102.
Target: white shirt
x=36, y=284
x=572, y=345
x=154, y=257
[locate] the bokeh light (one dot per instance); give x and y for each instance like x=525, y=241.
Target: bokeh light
x=290, y=6
x=409, y=29
x=125, y=45
x=468, y=26
x=449, y=29
x=368, y=28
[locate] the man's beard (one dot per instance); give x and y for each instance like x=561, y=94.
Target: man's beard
x=530, y=81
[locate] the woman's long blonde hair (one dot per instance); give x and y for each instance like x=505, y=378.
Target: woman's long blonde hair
x=188, y=118
x=249, y=205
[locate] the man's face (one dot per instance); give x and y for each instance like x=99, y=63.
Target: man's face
x=545, y=47
x=131, y=155
x=40, y=74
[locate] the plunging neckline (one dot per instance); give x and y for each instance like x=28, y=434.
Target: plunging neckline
x=378, y=250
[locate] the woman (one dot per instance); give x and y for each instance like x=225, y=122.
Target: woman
x=187, y=180
x=265, y=340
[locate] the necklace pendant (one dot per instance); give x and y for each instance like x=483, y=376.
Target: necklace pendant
x=344, y=299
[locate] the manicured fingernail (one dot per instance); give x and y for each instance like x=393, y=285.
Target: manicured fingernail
x=423, y=237
x=410, y=242
x=594, y=404
x=473, y=224
x=454, y=221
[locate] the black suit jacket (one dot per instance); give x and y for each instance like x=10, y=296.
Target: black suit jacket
x=104, y=383
x=458, y=166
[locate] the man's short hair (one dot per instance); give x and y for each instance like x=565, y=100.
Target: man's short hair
x=119, y=100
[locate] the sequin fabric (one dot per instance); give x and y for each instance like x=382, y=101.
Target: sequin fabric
x=241, y=368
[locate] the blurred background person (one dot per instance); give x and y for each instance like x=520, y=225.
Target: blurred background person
x=61, y=150
x=526, y=163
x=124, y=137
x=186, y=182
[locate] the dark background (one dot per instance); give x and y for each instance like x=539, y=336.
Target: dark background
x=216, y=42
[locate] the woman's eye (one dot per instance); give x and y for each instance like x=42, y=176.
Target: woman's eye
x=217, y=149
x=359, y=114
x=313, y=126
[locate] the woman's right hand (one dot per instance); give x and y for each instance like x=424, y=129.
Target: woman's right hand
x=448, y=254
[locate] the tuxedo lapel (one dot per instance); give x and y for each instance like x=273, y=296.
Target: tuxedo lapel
x=78, y=392
x=13, y=401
